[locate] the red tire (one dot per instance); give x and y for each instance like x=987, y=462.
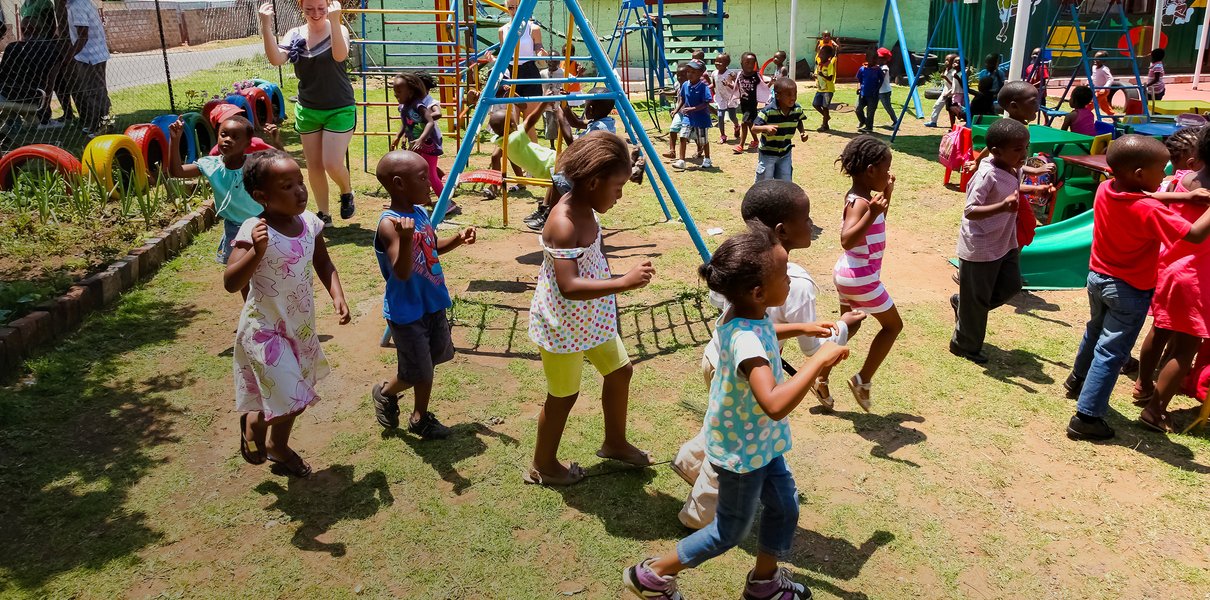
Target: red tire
x=62, y=160
x=151, y=140
x=209, y=106
x=259, y=105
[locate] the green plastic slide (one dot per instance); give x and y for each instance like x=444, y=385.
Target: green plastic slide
x=1058, y=257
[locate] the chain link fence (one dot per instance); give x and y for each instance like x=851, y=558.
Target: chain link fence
x=74, y=69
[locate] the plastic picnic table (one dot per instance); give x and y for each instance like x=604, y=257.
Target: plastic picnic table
x=1177, y=107
x=1161, y=130
x=1043, y=139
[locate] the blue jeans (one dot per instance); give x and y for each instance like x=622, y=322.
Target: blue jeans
x=1118, y=312
x=230, y=230
x=738, y=494
x=774, y=167
x=885, y=98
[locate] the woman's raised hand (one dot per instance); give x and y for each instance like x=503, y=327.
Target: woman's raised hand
x=334, y=11
x=266, y=11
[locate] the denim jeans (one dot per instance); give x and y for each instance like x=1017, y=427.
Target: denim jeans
x=738, y=494
x=885, y=98
x=774, y=167
x=230, y=230
x=1118, y=311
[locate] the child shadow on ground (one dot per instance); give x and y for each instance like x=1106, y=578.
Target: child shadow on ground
x=1131, y=434
x=833, y=557
x=443, y=455
x=1018, y=367
x=617, y=495
x=1030, y=305
x=887, y=432
x=325, y=499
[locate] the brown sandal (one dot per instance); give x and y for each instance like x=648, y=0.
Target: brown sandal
x=252, y=453
x=295, y=465
x=644, y=459
x=575, y=474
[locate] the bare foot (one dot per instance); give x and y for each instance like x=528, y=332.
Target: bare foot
x=627, y=453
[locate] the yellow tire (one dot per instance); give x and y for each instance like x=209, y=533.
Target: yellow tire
x=116, y=163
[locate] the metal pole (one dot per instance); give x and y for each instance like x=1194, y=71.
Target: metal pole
x=1201, y=48
x=1016, y=63
x=159, y=20
x=281, y=82
x=792, y=50
x=893, y=7
x=1157, y=25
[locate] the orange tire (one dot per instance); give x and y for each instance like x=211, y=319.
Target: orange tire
x=152, y=143
x=63, y=162
x=107, y=154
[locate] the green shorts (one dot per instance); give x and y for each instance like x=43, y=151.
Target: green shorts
x=336, y=120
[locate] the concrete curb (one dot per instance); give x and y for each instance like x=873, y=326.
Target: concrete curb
x=60, y=316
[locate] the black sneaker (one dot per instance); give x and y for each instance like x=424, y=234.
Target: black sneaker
x=978, y=358
x=537, y=220
x=346, y=206
x=954, y=305
x=429, y=428
x=386, y=408
x=1096, y=429
x=325, y=217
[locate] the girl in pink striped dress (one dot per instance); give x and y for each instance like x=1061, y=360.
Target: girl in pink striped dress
x=858, y=273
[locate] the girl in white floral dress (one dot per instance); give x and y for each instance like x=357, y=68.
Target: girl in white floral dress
x=573, y=315
x=277, y=355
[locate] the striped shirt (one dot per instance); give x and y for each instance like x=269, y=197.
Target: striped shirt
x=858, y=272
x=780, y=143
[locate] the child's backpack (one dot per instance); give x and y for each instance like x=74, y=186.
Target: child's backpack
x=951, y=153
x=1034, y=208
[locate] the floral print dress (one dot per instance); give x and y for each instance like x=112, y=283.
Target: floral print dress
x=277, y=355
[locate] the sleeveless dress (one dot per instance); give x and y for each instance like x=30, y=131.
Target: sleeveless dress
x=858, y=272
x=1182, y=286
x=562, y=326
x=277, y=355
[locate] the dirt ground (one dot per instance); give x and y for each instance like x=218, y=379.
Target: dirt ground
x=124, y=479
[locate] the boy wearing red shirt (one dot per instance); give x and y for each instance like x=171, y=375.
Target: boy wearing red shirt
x=1129, y=224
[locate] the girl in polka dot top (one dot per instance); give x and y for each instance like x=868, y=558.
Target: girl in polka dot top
x=573, y=314
x=746, y=434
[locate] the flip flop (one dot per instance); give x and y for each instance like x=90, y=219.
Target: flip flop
x=575, y=474
x=1154, y=426
x=646, y=457
x=1142, y=400
x=248, y=449
x=295, y=465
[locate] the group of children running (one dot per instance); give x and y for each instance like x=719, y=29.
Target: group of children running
x=272, y=246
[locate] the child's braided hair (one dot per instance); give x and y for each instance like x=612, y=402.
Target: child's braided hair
x=863, y=152
x=740, y=263
x=596, y=154
x=1186, y=142
x=256, y=168
x=413, y=82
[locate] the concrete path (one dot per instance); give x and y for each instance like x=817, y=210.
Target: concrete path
x=127, y=70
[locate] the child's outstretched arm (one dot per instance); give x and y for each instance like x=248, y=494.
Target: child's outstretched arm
x=572, y=118
x=243, y=261
x=561, y=234
x=331, y=279
x=175, y=168
x=465, y=237
x=778, y=400
x=531, y=121
x=1200, y=195
x=392, y=231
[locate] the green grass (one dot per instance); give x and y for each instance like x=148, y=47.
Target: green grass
x=119, y=461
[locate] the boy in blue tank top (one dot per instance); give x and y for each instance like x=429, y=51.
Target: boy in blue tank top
x=416, y=298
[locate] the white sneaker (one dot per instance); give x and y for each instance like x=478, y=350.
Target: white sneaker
x=678, y=164
x=706, y=164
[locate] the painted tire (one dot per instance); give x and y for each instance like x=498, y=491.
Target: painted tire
x=60, y=159
x=108, y=153
x=203, y=134
x=188, y=147
x=242, y=102
x=276, y=97
x=259, y=105
x=153, y=144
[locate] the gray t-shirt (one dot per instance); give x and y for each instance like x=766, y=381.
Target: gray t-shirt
x=322, y=82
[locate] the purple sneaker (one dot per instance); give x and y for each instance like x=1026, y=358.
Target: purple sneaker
x=640, y=580
x=781, y=587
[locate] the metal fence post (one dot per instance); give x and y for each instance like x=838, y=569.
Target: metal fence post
x=159, y=19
